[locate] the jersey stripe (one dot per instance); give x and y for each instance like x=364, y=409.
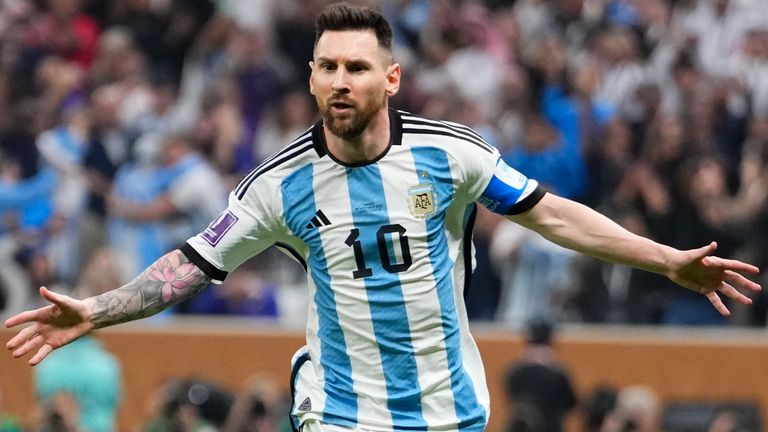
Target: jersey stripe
x=300, y=206
x=456, y=127
x=385, y=296
x=443, y=132
x=298, y=141
x=468, y=409
x=291, y=151
x=464, y=133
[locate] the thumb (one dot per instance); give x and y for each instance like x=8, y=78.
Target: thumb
x=705, y=251
x=57, y=299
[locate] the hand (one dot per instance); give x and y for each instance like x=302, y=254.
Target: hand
x=706, y=274
x=54, y=326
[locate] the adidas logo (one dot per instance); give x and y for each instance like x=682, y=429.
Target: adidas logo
x=318, y=220
x=306, y=405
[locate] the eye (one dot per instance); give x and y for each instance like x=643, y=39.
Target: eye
x=355, y=67
x=327, y=66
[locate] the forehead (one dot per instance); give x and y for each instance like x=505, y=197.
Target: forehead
x=348, y=44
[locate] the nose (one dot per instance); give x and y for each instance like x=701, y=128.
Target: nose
x=340, y=84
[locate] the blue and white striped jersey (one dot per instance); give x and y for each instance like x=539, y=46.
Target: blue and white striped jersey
x=387, y=249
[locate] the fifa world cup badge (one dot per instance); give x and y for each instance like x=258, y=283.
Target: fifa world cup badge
x=422, y=200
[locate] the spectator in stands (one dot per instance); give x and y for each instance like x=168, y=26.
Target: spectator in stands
x=8, y=422
x=258, y=407
x=538, y=387
x=596, y=408
x=185, y=172
x=637, y=409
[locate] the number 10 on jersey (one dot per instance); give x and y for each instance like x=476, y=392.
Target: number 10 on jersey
x=383, y=241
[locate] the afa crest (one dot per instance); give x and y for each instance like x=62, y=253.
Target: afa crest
x=421, y=199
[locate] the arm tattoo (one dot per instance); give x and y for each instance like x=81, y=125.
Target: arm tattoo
x=170, y=280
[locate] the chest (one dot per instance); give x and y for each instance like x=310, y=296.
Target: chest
x=384, y=214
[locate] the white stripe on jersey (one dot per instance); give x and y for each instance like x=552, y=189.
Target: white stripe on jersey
x=355, y=317
x=426, y=325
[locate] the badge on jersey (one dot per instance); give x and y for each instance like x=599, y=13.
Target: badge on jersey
x=422, y=200
x=220, y=226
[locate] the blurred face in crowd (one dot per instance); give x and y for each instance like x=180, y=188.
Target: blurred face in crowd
x=352, y=77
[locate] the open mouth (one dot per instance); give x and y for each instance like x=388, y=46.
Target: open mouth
x=341, y=106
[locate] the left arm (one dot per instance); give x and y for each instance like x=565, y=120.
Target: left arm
x=575, y=226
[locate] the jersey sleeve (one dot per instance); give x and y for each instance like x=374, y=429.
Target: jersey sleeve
x=510, y=192
x=241, y=231
x=494, y=184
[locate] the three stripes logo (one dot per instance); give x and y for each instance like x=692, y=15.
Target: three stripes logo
x=318, y=220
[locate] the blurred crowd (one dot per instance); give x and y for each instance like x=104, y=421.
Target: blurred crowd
x=126, y=122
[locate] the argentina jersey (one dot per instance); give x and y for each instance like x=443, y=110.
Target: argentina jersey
x=387, y=250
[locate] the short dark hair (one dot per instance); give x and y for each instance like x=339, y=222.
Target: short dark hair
x=346, y=16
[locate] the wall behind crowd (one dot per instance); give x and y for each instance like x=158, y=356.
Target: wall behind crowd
x=124, y=124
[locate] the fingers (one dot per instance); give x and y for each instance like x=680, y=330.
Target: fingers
x=733, y=293
x=733, y=265
x=706, y=250
x=717, y=303
x=41, y=354
x=22, y=337
x=24, y=317
x=737, y=280
x=35, y=315
x=29, y=345
x=52, y=297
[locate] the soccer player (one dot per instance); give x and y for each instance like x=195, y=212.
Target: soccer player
x=377, y=205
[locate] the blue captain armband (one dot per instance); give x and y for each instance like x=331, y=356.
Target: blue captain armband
x=510, y=192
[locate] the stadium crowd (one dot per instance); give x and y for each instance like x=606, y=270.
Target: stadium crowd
x=124, y=124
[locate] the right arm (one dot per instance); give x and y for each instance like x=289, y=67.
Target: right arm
x=169, y=280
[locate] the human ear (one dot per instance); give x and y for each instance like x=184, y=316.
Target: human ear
x=393, y=79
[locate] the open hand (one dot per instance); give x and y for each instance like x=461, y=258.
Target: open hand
x=699, y=271
x=53, y=326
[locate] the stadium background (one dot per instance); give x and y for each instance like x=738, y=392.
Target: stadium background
x=654, y=112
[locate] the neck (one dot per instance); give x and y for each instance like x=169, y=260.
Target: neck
x=365, y=147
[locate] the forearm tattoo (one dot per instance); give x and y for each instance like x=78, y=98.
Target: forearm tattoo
x=170, y=280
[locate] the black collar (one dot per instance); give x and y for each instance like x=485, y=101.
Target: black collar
x=395, y=138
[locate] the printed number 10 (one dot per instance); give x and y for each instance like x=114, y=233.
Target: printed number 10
x=389, y=263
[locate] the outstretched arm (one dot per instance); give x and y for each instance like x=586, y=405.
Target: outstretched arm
x=582, y=229
x=170, y=280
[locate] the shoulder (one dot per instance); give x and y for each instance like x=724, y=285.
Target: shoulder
x=301, y=151
x=418, y=130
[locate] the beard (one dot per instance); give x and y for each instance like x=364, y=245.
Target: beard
x=352, y=125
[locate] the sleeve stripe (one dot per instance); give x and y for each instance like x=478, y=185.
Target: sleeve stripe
x=462, y=130
x=209, y=269
x=528, y=202
x=445, y=132
x=246, y=181
x=243, y=187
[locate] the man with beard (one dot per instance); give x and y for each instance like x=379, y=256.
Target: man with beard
x=378, y=206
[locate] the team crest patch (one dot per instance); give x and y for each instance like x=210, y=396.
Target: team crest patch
x=421, y=200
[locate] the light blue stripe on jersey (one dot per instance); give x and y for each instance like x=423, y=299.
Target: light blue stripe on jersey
x=385, y=297
x=434, y=162
x=299, y=208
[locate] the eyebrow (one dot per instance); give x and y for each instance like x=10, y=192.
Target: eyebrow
x=353, y=60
